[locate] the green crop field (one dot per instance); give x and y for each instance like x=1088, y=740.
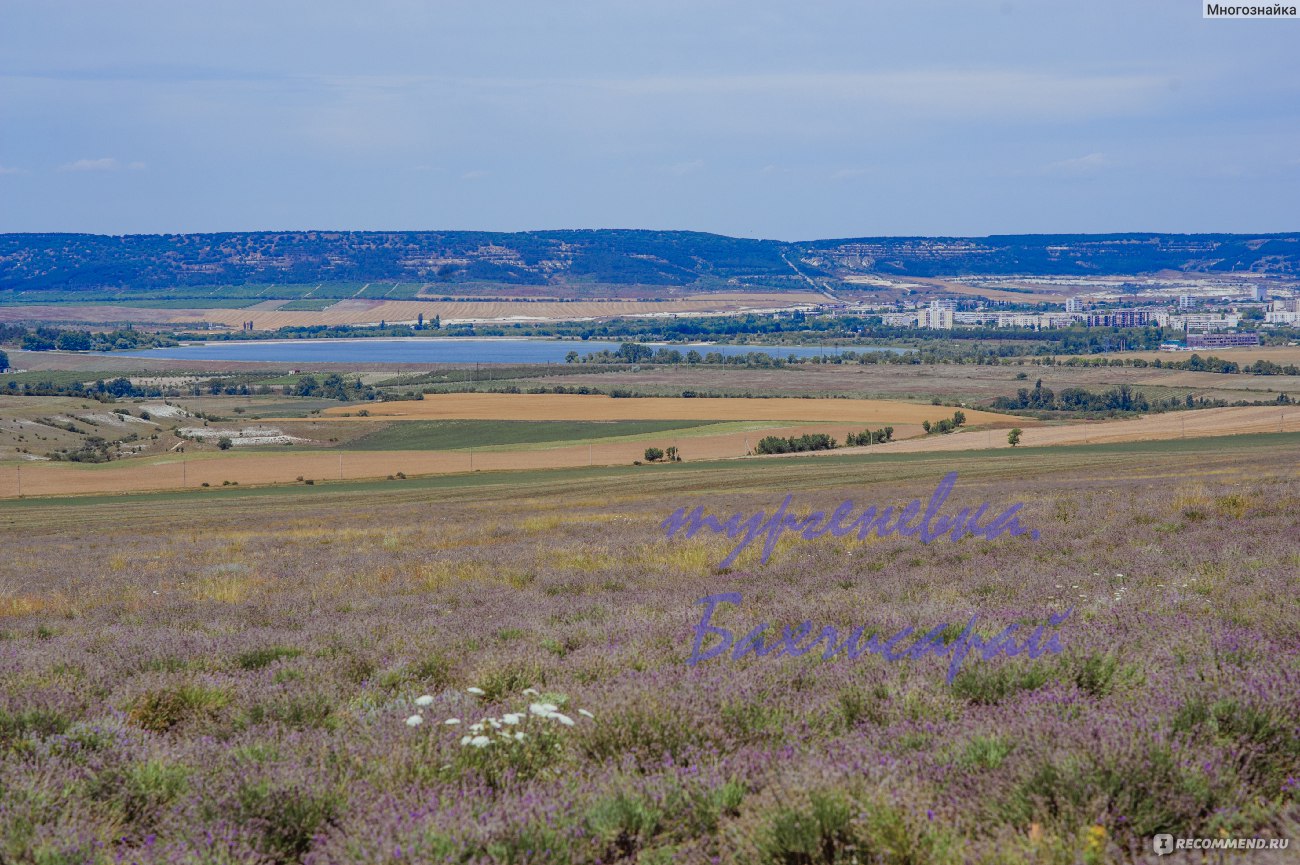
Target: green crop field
x=453, y=434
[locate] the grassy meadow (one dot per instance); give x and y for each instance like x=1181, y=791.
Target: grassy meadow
x=232, y=676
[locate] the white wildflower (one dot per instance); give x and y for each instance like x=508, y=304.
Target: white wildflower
x=480, y=741
x=464, y=740
x=511, y=718
x=426, y=700
x=563, y=719
x=496, y=725
x=543, y=709
x=478, y=692
x=451, y=722
x=519, y=737
x=415, y=720
x=588, y=714
x=532, y=691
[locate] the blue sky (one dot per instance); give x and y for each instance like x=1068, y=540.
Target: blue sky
x=760, y=119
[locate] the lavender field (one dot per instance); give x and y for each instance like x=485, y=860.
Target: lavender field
x=235, y=676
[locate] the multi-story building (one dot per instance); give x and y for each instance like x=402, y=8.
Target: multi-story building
x=1221, y=340
x=1120, y=318
x=1186, y=301
x=1206, y=321
x=1073, y=304
x=939, y=315
x=898, y=319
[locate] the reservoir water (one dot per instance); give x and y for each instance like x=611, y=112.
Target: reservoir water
x=447, y=350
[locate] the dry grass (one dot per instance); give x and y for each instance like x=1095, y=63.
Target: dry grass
x=506, y=406
x=1173, y=425
x=214, y=469
x=1283, y=354
x=268, y=316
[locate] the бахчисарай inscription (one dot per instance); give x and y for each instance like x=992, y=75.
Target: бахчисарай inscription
x=964, y=523
x=932, y=643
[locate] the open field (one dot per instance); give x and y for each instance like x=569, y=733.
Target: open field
x=445, y=434
x=1282, y=354
x=285, y=466
x=970, y=383
x=347, y=460
x=506, y=406
x=229, y=679
x=270, y=315
x=1239, y=420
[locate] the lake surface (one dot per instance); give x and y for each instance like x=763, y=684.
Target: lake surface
x=445, y=350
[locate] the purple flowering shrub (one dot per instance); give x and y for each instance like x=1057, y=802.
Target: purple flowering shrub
x=235, y=680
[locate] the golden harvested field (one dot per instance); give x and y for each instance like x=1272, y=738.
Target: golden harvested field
x=248, y=468
x=509, y=406
x=1172, y=425
x=267, y=316
x=1038, y=296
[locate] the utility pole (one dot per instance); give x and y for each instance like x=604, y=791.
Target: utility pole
x=184, y=473
x=20, y=481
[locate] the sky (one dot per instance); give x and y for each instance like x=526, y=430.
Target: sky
x=783, y=120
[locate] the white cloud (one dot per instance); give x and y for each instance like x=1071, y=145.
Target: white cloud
x=4, y=169
x=965, y=93
x=476, y=174
x=1090, y=164
x=848, y=173
x=681, y=169
x=106, y=163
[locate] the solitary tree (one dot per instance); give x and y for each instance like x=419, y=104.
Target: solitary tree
x=4, y=361
x=224, y=443
x=1013, y=437
x=672, y=455
x=653, y=454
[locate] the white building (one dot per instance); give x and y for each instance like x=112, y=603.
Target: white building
x=1073, y=304
x=938, y=316
x=1206, y=321
x=899, y=319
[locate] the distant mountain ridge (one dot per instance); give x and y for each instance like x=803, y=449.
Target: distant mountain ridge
x=68, y=262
